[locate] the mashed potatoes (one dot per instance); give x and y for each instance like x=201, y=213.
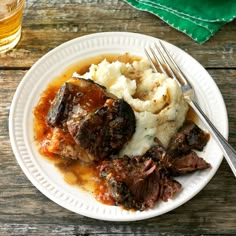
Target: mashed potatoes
x=157, y=101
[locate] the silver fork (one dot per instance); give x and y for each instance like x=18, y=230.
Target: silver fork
x=161, y=61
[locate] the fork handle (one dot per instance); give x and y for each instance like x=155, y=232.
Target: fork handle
x=226, y=148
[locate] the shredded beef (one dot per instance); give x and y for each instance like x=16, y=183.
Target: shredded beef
x=139, y=182
x=188, y=163
x=190, y=136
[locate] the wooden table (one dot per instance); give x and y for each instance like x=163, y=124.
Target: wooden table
x=47, y=24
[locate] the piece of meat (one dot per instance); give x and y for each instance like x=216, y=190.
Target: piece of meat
x=159, y=154
x=188, y=163
x=103, y=133
x=58, y=111
x=63, y=144
x=176, y=164
x=74, y=97
x=189, y=136
x=138, y=182
x=99, y=123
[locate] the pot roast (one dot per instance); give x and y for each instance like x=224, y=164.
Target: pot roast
x=99, y=123
x=139, y=182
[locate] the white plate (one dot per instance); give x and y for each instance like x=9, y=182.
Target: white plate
x=44, y=175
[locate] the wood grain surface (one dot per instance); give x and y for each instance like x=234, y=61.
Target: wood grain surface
x=49, y=23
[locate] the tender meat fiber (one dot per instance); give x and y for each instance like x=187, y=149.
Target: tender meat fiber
x=190, y=136
x=98, y=123
x=188, y=163
x=63, y=144
x=103, y=133
x=75, y=97
x=176, y=164
x=139, y=182
x=159, y=154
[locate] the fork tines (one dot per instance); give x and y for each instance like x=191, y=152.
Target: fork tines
x=161, y=61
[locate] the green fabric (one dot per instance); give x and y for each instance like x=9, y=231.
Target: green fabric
x=199, y=19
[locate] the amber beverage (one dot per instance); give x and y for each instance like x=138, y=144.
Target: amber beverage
x=11, y=12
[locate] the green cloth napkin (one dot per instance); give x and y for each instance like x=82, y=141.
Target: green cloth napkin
x=200, y=19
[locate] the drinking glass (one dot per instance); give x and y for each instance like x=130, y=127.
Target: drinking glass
x=11, y=12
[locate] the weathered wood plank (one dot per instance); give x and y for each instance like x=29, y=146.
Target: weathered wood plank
x=48, y=24
x=25, y=211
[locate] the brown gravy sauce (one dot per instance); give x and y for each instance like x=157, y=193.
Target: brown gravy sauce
x=75, y=172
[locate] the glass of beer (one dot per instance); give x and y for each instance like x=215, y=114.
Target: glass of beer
x=11, y=12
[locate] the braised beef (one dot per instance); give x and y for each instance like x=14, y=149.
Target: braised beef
x=74, y=97
x=190, y=136
x=176, y=164
x=188, y=163
x=62, y=143
x=99, y=123
x=159, y=154
x=138, y=182
x=58, y=111
x=103, y=133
